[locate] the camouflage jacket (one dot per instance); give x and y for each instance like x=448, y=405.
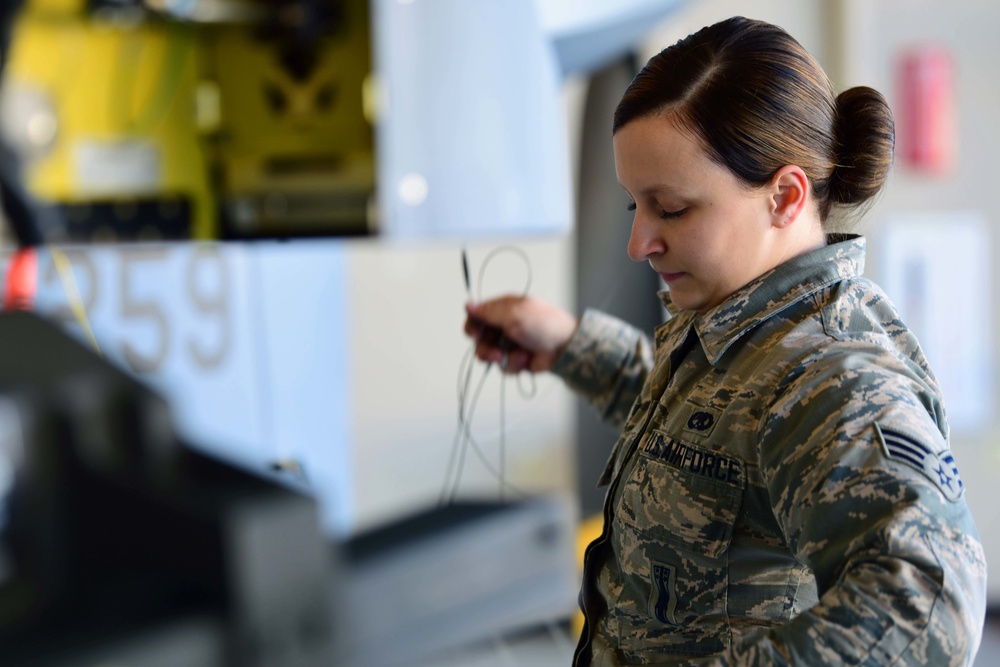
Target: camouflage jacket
x=783, y=492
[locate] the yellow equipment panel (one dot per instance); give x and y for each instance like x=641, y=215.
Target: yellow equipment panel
x=107, y=113
x=295, y=150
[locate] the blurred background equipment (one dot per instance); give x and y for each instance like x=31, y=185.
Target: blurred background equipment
x=239, y=119
x=179, y=120
x=98, y=101
x=294, y=150
x=121, y=544
x=118, y=541
x=469, y=572
x=172, y=120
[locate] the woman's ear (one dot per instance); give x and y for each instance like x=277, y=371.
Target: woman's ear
x=789, y=194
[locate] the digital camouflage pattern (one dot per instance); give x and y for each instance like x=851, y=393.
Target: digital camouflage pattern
x=783, y=492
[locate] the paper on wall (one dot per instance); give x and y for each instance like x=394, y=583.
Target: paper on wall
x=936, y=269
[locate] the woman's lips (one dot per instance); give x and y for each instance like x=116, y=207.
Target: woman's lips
x=672, y=277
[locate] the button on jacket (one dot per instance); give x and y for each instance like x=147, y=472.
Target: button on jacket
x=783, y=491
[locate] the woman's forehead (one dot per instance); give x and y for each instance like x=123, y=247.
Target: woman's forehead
x=653, y=153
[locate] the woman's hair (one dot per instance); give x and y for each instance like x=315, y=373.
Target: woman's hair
x=758, y=101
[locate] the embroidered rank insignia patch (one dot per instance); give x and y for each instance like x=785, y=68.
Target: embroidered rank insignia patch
x=938, y=467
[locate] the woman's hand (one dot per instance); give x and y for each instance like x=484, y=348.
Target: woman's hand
x=530, y=331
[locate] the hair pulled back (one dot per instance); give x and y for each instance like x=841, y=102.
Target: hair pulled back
x=757, y=100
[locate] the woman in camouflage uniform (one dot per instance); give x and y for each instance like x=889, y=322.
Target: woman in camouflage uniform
x=783, y=492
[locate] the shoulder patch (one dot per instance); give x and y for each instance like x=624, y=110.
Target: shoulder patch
x=938, y=467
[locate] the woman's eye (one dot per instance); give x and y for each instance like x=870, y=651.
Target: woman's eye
x=666, y=215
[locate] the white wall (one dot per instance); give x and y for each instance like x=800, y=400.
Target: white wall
x=803, y=20
x=406, y=315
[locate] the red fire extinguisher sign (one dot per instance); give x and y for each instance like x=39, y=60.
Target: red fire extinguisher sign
x=926, y=132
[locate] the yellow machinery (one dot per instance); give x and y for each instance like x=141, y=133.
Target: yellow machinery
x=141, y=125
x=295, y=144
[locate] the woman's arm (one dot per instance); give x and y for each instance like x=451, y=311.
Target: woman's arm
x=600, y=357
x=606, y=362
x=868, y=495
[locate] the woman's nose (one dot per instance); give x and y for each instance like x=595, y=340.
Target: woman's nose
x=644, y=242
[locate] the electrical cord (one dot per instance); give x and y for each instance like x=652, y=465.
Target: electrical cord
x=464, y=439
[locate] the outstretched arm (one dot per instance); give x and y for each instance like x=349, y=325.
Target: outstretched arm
x=600, y=357
x=523, y=332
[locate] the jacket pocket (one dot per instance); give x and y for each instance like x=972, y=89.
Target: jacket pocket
x=685, y=496
x=674, y=523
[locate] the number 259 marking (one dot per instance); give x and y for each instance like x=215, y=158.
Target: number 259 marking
x=210, y=298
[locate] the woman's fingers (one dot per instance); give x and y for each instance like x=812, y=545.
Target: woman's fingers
x=519, y=333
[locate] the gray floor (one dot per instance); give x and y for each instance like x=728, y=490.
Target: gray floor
x=547, y=647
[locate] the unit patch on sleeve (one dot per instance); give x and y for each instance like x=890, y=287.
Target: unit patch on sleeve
x=938, y=467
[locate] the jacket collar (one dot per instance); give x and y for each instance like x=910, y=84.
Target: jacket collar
x=718, y=328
